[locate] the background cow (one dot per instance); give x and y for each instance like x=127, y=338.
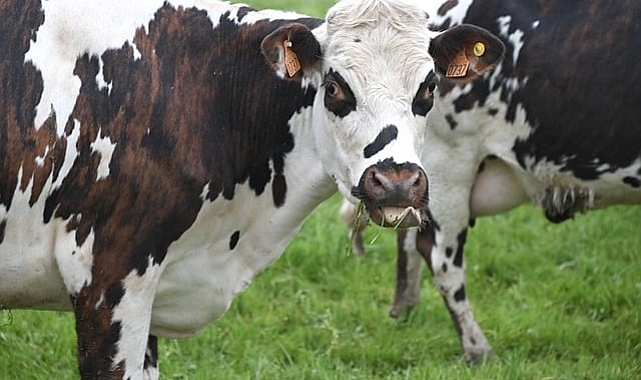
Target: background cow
x=153, y=160
x=557, y=123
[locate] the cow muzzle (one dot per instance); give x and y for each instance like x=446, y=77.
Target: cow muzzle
x=395, y=195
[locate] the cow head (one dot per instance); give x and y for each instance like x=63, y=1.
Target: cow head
x=377, y=69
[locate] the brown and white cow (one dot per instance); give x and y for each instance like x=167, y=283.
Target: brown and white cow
x=558, y=123
x=155, y=156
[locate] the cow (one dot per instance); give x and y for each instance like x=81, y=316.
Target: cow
x=157, y=155
x=557, y=123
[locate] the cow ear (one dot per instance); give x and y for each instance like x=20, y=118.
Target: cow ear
x=465, y=52
x=291, y=49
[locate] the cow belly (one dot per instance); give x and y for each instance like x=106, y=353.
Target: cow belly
x=496, y=189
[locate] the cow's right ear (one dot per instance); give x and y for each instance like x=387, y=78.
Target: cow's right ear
x=291, y=49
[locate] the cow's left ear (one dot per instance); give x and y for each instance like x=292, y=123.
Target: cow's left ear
x=291, y=49
x=465, y=52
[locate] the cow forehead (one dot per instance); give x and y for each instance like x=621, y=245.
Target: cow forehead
x=379, y=41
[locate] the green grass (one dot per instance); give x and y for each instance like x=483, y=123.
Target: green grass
x=555, y=301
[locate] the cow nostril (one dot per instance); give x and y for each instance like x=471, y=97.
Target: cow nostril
x=377, y=179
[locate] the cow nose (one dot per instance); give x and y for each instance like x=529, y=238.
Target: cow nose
x=394, y=186
x=393, y=191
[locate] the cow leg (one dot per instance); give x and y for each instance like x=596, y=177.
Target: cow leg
x=409, y=265
x=112, y=324
x=445, y=259
x=356, y=223
x=150, y=368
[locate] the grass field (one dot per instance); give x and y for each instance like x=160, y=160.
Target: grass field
x=555, y=301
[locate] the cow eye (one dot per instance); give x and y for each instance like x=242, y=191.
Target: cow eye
x=339, y=98
x=332, y=89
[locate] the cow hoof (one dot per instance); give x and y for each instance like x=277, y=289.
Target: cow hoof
x=479, y=355
x=358, y=249
x=399, y=308
x=395, y=311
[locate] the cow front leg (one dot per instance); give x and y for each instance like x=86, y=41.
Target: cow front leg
x=409, y=265
x=112, y=325
x=150, y=368
x=445, y=259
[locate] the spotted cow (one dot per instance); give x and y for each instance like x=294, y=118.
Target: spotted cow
x=558, y=123
x=155, y=156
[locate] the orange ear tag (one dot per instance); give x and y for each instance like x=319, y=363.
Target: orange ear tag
x=292, y=64
x=459, y=66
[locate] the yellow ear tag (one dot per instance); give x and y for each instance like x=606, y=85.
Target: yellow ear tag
x=292, y=64
x=479, y=49
x=458, y=67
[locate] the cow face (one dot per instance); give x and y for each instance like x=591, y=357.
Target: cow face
x=376, y=72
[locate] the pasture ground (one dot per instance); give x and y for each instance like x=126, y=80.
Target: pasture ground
x=555, y=301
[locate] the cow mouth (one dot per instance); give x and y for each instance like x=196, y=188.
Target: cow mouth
x=396, y=217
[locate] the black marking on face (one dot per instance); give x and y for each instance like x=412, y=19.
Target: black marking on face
x=386, y=136
x=233, y=240
x=339, y=98
x=444, y=267
x=424, y=98
x=632, y=181
x=458, y=257
x=450, y=120
x=459, y=295
x=448, y=252
x=3, y=225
